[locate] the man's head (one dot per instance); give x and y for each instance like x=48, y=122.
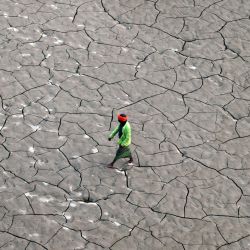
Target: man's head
x=122, y=118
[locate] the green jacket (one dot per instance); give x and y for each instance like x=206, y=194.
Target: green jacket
x=125, y=139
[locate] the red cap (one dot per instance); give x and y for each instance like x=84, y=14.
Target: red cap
x=122, y=118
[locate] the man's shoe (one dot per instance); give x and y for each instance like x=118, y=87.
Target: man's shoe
x=130, y=162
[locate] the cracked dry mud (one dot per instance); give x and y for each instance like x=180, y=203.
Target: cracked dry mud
x=180, y=69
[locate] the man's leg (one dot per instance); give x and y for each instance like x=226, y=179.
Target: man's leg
x=129, y=155
x=131, y=159
x=111, y=165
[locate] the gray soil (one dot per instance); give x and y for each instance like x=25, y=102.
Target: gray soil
x=180, y=69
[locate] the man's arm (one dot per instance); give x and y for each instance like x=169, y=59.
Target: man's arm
x=115, y=131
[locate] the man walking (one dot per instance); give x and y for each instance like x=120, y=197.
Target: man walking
x=124, y=133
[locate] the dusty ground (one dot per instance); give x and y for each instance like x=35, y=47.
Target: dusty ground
x=180, y=69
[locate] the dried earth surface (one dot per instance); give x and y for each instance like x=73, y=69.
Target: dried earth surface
x=180, y=69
